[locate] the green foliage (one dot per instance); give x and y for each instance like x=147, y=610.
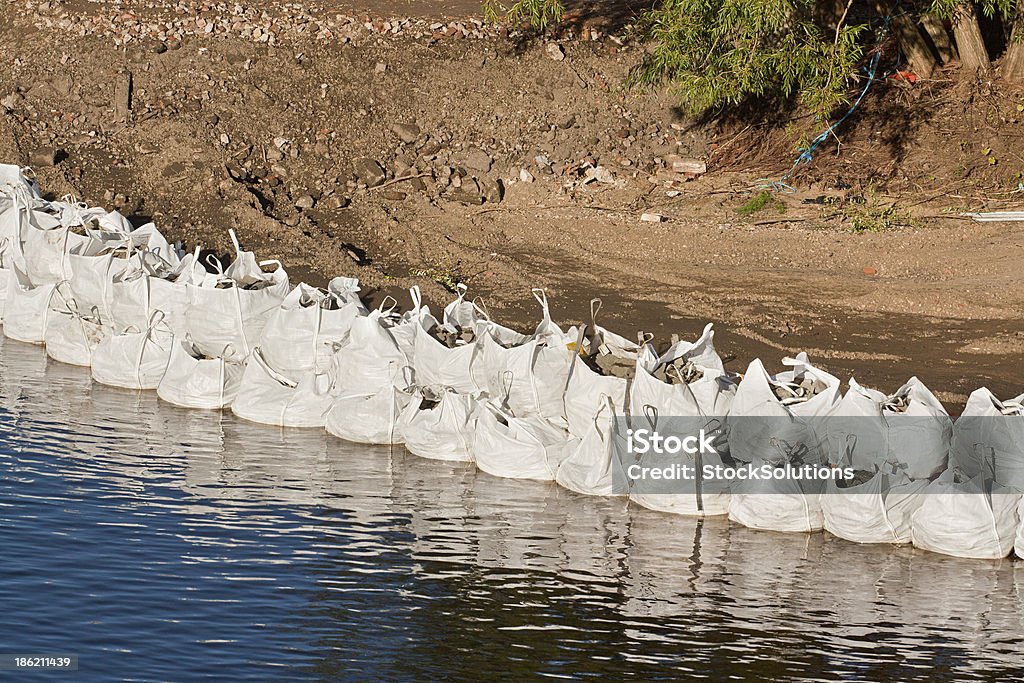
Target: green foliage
x=873, y=215
x=759, y=201
x=947, y=9
x=442, y=272
x=718, y=52
x=540, y=13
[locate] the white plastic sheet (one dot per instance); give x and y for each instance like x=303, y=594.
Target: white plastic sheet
x=200, y=378
x=962, y=517
x=134, y=359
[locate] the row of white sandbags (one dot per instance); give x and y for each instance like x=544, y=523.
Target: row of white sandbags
x=393, y=381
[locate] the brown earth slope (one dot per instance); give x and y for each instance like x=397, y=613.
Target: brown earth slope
x=510, y=164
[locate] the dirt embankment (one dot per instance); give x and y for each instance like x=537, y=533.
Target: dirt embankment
x=426, y=151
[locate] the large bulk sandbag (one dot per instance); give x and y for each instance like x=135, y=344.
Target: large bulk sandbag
x=529, y=447
x=972, y=518
x=372, y=418
x=8, y=277
x=108, y=254
x=1018, y=544
x=591, y=466
x=49, y=233
x=233, y=306
x=602, y=366
x=909, y=430
x=878, y=510
x=989, y=438
x=404, y=328
x=292, y=398
x=444, y=352
x=26, y=309
x=775, y=420
x=310, y=325
x=539, y=364
x=438, y=424
x=13, y=179
x=72, y=335
x=198, y=378
x=689, y=379
x=134, y=359
x=152, y=284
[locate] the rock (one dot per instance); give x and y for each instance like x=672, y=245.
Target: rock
x=406, y=132
x=274, y=154
x=394, y=195
x=380, y=68
x=652, y=218
x=466, y=197
x=478, y=160
x=160, y=48
x=870, y=271
x=686, y=166
x=44, y=156
x=224, y=139
x=493, y=191
x=368, y=172
x=418, y=185
x=122, y=96
x=305, y=202
x=555, y=51
x=568, y=123
x=291, y=221
x=12, y=101
x=525, y=176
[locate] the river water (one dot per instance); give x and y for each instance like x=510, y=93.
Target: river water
x=158, y=543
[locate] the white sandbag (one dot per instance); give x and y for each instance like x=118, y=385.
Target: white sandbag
x=310, y=325
x=587, y=390
x=1018, y=544
x=529, y=447
x=370, y=359
x=438, y=365
x=909, y=430
x=152, y=284
x=709, y=391
x=233, y=306
x=71, y=335
x=26, y=309
x=267, y=395
x=539, y=364
x=8, y=277
x=372, y=418
x=48, y=234
x=963, y=517
x=989, y=438
x=13, y=178
x=692, y=497
x=590, y=466
x=877, y=511
x=196, y=378
x=134, y=359
x=438, y=424
x=765, y=429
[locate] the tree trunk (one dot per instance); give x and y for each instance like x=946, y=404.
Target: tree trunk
x=914, y=46
x=1013, y=63
x=940, y=39
x=969, y=43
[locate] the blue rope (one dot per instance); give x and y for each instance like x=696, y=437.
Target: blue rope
x=807, y=155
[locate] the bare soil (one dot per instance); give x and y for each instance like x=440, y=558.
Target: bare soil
x=201, y=123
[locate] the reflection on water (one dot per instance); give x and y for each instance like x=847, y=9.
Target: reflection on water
x=162, y=543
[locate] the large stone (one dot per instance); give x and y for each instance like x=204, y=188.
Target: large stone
x=406, y=132
x=493, y=191
x=477, y=160
x=369, y=172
